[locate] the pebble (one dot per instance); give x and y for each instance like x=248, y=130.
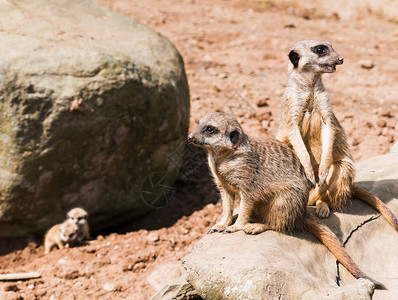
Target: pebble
x=62, y=261
x=367, y=64
x=109, y=287
x=207, y=58
x=262, y=102
x=264, y=124
x=355, y=142
x=385, y=112
x=153, y=237
x=381, y=123
x=31, y=286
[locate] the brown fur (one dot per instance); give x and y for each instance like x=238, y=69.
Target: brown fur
x=268, y=179
x=311, y=129
x=60, y=235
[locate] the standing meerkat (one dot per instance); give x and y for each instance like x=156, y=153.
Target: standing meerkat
x=311, y=129
x=79, y=217
x=268, y=179
x=60, y=235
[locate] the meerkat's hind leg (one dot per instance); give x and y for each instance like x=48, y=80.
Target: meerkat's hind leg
x=319, y=195
x=321, y=207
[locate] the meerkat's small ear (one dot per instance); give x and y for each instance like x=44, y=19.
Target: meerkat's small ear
x=234, y=136
x=294, y=58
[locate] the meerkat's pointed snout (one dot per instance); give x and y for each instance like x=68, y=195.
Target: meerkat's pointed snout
x=190, y=138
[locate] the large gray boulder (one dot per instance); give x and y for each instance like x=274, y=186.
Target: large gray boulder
x=274, y=265
x=94, y=110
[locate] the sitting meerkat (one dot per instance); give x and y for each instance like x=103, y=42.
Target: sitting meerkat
x=268, y=179
x=79, y=217
x=311, y=129
x=60, y=235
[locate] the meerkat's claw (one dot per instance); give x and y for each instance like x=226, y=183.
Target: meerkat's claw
x=232, y=229
x=216, y=228
x=322, y=179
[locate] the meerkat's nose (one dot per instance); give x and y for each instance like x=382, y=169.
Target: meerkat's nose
x=341, y=60
x=190, y=138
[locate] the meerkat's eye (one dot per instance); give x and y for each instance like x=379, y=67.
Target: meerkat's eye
x=321, y=50
x=210, y=129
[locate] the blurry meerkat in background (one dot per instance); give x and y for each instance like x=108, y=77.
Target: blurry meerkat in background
x=60, y=235
x=79, y=217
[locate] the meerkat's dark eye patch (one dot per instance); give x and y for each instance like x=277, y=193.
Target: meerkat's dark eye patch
x=210, y=130
x=321, y=50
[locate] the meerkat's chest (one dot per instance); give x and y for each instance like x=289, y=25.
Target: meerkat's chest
x=227, y=172
x=311, y=123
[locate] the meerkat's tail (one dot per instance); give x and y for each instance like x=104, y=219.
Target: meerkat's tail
x=313, y=225
x=376, y=203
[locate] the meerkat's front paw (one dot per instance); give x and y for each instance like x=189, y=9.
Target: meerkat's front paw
x=233, y=228
x=255, y=228
x=322, y=209
x=217, y=228
x=323, y=173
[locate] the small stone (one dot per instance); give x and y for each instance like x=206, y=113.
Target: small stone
x=31, y=286
x=262, y=75
x=11, y=288
x=109, y=287
x=100, y=238
x=153, y=237
x=290, y=26
x=207, y=58
x=62, y=261
x=222, y=75
x=385, y=112
x=355, y=142
x=262, y=102
x=381, y=123
x=264, y=124
x=367, y=64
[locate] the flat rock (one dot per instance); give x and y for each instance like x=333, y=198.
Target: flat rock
x=272, y=265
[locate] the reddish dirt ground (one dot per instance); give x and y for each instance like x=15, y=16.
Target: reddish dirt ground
x=235, y=55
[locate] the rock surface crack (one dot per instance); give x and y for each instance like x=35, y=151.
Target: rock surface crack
x=338, y=279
